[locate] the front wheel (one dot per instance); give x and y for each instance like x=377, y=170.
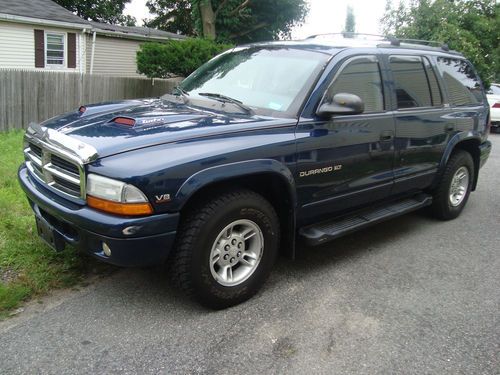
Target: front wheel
x=226, y=248
x=456, y=184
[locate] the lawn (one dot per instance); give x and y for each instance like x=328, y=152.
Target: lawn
x=27, y=266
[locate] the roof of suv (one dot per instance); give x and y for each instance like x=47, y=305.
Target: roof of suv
x=331, y=43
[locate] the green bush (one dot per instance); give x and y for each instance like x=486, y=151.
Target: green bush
x=179, y=57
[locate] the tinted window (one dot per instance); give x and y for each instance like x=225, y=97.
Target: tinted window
x=360, y=77
x=436, y=97
x=463, y=85
x=412, y=87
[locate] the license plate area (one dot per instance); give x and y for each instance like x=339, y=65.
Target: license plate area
x=49, y=235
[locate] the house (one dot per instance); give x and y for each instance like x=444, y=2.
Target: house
x=42, y=35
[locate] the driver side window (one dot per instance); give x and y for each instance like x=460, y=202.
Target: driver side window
x=360, y=76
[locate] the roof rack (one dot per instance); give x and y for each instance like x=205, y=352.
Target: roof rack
x=394, y=41
x=349, y=34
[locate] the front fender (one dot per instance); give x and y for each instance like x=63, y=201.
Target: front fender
x=249, y=168
x=223, y=172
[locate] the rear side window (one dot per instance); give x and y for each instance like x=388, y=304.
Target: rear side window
x=463, y=85
x=416, y=84
x=361, y=77
x=437, y=99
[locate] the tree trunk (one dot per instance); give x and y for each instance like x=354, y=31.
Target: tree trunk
x=207, y=19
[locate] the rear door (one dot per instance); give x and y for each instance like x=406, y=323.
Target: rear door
x=346, y=161
x=423, y=122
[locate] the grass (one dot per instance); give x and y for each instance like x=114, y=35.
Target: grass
x=28, y=267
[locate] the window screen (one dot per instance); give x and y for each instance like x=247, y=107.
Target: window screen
x=412, y=87
x=360, y=77
x=463, y=85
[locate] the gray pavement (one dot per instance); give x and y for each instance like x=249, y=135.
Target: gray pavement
x=412, y=295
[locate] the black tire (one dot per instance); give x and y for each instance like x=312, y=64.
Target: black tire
x=200, y=228
x=442, y=206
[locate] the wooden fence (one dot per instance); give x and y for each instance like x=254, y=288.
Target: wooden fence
x=27, y=96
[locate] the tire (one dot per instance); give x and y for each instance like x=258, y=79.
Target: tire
x=204, y=235
x=460, y=172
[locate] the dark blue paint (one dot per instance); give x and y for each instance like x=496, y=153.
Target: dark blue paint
x=178, y=149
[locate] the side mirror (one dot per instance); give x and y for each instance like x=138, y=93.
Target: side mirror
x=342, y=104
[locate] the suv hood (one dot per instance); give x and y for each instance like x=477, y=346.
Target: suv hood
x=153, y=122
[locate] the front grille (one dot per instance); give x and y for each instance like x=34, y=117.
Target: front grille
x=36, y=150
x=64, y=164
x=64, y=175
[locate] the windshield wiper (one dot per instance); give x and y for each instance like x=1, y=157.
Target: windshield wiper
x=181, y=91
x=227, y=99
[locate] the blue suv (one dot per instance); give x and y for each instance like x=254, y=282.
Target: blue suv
x=265, y=145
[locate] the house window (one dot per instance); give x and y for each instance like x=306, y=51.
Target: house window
x=54, y=49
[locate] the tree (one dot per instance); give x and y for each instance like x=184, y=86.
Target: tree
x=350, y=21
x=469, y=26
x=171, y=15
x=177, y=57
x=108, y=11
x=229, y=20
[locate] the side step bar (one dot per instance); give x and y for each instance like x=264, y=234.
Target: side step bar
x=319, y=233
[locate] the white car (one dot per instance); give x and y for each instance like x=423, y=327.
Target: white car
x=493, y=95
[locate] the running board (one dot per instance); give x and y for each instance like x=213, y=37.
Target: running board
x=319, y=233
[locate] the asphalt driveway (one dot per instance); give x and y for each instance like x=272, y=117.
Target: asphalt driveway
x=412, y=295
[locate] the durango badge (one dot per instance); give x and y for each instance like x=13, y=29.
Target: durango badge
x=331, y=168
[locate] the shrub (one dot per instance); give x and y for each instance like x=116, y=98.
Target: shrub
x=179, y=57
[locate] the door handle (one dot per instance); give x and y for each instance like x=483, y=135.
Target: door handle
x=387, y=135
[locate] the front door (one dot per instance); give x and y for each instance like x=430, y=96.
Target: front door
x=346, y=161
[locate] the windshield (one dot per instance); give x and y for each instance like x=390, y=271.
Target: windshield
x=269, y=80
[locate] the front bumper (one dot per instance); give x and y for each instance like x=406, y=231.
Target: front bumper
x=140, y=241
x=484, y=152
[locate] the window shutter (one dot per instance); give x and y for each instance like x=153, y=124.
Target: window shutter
x=39, y=49
x=71, y=50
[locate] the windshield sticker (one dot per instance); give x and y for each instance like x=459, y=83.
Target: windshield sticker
x=275, y=106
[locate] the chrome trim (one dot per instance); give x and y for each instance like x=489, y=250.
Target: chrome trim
x=52, y=142
x=68, y=176
x=62, y=144
x=32, y=157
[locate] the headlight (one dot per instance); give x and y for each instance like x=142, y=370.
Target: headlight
x=116, y=197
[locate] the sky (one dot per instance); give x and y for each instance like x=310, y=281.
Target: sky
x=325, y=16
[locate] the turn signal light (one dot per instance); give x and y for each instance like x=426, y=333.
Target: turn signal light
x=124, y=209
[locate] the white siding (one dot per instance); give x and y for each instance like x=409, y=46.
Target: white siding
x=17, y=46
x=113, y=56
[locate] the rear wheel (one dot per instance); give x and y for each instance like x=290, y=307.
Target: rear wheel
x=225, y=248
x=453, y=191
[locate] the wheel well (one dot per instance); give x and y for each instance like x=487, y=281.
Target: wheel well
x=272, y=187
x=472, y=147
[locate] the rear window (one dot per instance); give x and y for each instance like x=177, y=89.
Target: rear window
x=416, y=83
x=462, y=83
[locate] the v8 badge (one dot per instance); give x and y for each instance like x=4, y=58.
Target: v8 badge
x=162, y=198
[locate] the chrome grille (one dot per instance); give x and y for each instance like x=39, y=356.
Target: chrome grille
x=57, y=171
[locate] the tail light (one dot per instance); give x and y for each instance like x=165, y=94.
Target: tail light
x=496, y=105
